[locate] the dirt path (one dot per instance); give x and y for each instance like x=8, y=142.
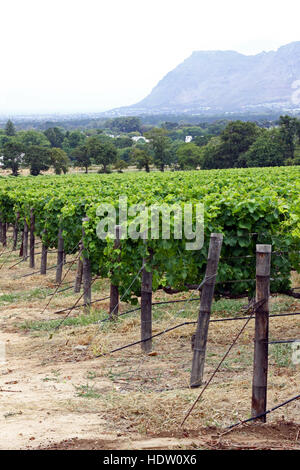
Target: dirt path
x=34, y=399
x=54, y=395
x=37, y=410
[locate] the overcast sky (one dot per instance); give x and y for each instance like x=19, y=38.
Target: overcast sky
x=92, y=55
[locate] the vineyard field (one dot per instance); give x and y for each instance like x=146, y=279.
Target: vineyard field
x=73, y=379
x=248, y=206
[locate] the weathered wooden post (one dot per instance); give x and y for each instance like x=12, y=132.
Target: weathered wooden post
x=4, y=233
x=25, y=240
x=207, y=294
x=16, y=231
x=78, y=278
x=60, y=256
x=22, y=245
x=1, y=228
x=44, y=257
x=114, y=290
x=260, y=368
x=32, y=238
x=146, y=307
x=86, y=270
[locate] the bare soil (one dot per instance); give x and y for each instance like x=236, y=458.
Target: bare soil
x=56, y=395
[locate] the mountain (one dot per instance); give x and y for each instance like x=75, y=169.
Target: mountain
x=227, y=81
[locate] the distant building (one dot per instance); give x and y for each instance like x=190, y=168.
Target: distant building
x=136, y=138
x=188, y=139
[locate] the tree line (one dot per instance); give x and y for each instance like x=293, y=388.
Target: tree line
x=125, y=142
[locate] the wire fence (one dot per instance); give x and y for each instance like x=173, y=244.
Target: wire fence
x=252, y=307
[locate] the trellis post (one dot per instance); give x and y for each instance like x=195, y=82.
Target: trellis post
x=16, y=231
x=25, y=240
x=32, y=238
x=260, y=367
x=44, y=257
x=86, y=270
x=78, y=278
x=146, y=306
x=207, y=294
x=114, y=289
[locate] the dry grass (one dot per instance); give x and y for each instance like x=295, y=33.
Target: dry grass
x=150, y=393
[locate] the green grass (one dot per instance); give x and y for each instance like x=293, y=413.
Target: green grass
x=10, y=298
x=91, y=375
x=229, y=307
x=55, y=376
x=281, y=354
x=37, y=293
x=87, y=391
x=283, y=305
x=240, y=358
x=49, y=325
x=221, y=308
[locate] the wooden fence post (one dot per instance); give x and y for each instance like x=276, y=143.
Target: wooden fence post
x=78, y=278
x=16, y=231
x=25, y=240
x=60, y=257
x=114, y=290
x=22, y=244
x=32, y=238
x=4, y=233
x=207, y=294
x=146, y=307
x=44, y=257
x=86, y=271
x=1, y=228
x=260, y=368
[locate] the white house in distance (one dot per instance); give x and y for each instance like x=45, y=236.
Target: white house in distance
x=136, y=138
x=188, y=139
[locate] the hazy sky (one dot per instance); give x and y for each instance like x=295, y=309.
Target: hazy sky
x=92, y=55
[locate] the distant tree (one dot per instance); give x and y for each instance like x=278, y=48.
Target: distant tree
x=169, y=125
x=38, y=159
x=202, y=140
x=298, y=129
x=72, y=140
x=75, y=138
x=102, y=152
x=237, y=137
x=59, y=160
x=124, y=124
x=123, y=142
x=82, y=156
x=10, y=129
x=288, y=129
x=212, y=156
x=173, y=152
x=160, y=144
x=293, y=161
x=189, y=156
x=13, y=153
x=216, y=127
x=33, y=137
x=55, y=135
x=124, y=154
x=120, y=165
x=3, y=138
x=267, y=150
x=141, y=157
x=177, y=134
x=194, y=131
